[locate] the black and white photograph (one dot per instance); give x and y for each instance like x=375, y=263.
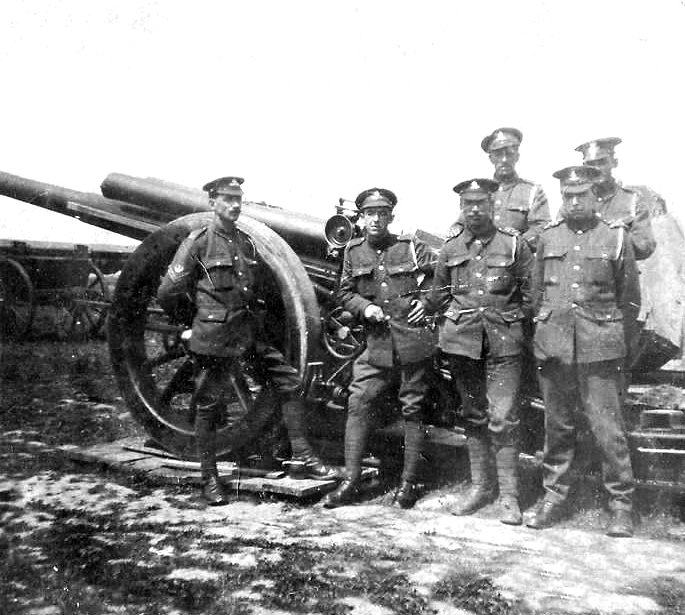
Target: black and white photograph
x=355, y=308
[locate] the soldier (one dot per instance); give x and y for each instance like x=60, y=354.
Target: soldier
x=623, y=207
x=381, y=285
x=482, y=291
x=518, y=203
x=616, y=204
x=584, y=270
x=216, y=268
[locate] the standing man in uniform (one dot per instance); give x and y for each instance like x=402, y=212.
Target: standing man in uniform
x=518, y=203
x=215, y=270
x=621, y=207
x=482, y=291
x=584, y=272
x=381, y=285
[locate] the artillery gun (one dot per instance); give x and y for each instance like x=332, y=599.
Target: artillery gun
x=303, y=258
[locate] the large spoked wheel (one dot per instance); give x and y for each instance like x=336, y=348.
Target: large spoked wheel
x=153, y=369
x=17, y=304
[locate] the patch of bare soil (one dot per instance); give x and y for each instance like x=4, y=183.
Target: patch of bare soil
x=76, y=541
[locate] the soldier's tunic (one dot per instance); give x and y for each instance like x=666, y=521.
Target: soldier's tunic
x=617, y=203
x=580, y=283
x=216, y=274
x=389, y=273
x=521, y=205
x=482, y=289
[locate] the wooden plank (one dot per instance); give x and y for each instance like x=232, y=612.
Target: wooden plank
x=131, y=456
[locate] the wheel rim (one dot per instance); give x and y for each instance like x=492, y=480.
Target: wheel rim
x=16, y=300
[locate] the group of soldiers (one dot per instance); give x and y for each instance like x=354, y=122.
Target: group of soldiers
x=508, y=283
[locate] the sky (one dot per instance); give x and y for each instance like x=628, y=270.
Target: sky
x=311, y=101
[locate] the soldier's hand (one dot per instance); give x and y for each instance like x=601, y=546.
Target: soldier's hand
x=374, y=313
x=417, y=312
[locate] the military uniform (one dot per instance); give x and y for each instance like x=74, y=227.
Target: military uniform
x=583, y=274
x=482, y=291
x=215, y=275
x=622, y=206
x=484, y=286
x=388, y=272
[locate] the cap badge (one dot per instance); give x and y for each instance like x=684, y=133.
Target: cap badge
x=474, y=185
x=573, y=176
x=593, y=149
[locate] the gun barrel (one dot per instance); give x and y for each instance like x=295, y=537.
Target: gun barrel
x=304, y=233
x=110, y=214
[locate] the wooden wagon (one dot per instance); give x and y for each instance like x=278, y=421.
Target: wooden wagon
x=62, y=276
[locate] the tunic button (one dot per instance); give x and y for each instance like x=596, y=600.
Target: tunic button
x=378, y=251
x=576, y=267
x=478, y=257
x=575, y=285
x=481, y=291
x=576, y=248
x=384, y=284
x=478, y=242
x=574, y=305
x=482, y=309
x=245, y=288
x=450, y=313
x=235, y=258
x=496, y=216
x=386, y=301
x=380, y=267
x=240, y=273
x=579, y=232
x=479, y=274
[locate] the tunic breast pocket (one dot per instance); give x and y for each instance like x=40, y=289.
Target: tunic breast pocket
x=403, y=276
x=363, y=279
x=516, y=217
x=221, y=273
x=460, y=277
x=599, y=267
x=554, y=259
x=499, y=279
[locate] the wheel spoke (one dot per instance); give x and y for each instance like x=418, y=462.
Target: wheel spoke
x=180, y=382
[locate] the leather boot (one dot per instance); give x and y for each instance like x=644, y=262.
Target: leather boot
x=347, y=493
x=621, y=524
x=481, y=491
x=546, y=514
x=317, y=469
x=294, y=417
x=407, y=494
x=507, y=476
x=213, y=491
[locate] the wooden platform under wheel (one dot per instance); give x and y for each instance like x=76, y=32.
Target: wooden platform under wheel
x=137, y=457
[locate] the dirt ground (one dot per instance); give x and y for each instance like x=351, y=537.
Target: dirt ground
x=74, y=539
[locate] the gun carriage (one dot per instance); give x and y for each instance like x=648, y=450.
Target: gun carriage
x=303, y=256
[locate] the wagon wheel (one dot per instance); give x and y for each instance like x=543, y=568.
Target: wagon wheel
x=16, y=300
x=155, y=373
x=81, y=311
